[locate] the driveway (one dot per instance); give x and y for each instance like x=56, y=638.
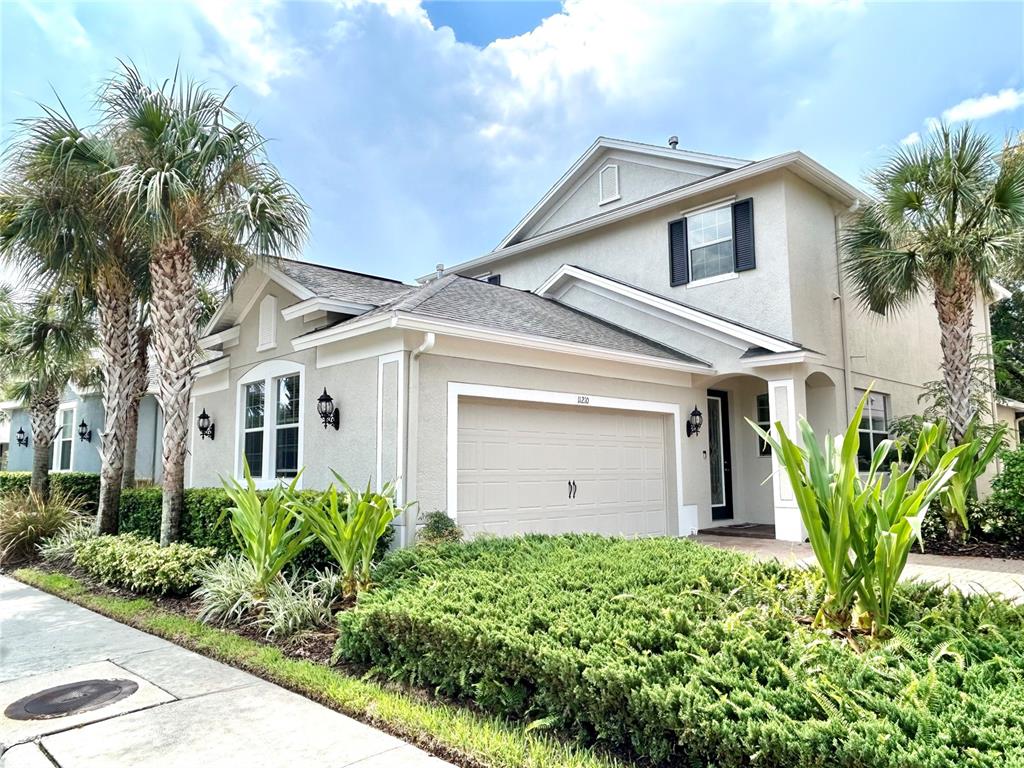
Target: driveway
x=969, y=575
x=176, y=708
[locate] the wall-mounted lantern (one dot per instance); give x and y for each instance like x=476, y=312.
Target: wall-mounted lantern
x=206, y=426
x=694, y=423
x=84, y=433
x=328, y=413
x=22, y=438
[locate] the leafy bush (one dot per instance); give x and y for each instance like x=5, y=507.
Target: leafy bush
x=26, y=520
x=140, y=513
x=681, y=654
x=269, y=529
x=84, y=486
x=350, y=524
x=861, y=526
x=142, y=565
x=1001, y=516
x=59, y=549
x=438, y=528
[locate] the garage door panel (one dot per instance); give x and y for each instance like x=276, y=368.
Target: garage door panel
x=516, y=459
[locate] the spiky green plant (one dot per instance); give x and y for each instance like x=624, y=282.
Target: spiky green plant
x=270, y=531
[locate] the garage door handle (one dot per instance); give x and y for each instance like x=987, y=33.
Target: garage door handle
x=572, y=489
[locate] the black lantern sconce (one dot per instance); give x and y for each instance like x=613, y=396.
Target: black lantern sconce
x=694, y=423
x=328, y=413
x=84, y=433
x=22, y=438
x=206, y=426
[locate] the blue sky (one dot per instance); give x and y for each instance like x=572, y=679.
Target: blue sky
x=422, y=132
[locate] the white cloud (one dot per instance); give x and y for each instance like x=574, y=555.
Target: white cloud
x=984, y=106
x=59, y=23
x=258, y=52
x=911, y=138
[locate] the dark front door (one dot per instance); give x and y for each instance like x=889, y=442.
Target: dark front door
x=719, y=455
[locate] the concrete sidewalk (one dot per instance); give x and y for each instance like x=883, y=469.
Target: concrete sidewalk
x=186, y=711
x=969, y=575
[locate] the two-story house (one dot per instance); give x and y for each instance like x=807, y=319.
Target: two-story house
x=592, y=373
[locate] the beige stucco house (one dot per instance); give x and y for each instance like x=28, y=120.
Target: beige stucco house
x=554, y=384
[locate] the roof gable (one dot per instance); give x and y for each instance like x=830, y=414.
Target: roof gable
x=653, y=170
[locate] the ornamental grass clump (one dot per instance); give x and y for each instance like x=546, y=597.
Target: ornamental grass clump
x=27, y=520
x=861, y=525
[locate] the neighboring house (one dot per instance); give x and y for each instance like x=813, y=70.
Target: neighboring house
x=73, y=453
x=592, y=373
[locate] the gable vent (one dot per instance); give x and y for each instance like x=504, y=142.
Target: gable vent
x=609, y=183
x=268, y=324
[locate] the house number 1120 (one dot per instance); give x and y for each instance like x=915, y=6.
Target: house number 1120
x=583, y=400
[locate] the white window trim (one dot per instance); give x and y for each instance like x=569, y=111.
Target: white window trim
x=55, y=462
x=886, y=412
x=686, y=515
x=267, y=372
x=765, y=425
x=383, y=360
x=712, y=280
x=603, y=195
x=690, y=249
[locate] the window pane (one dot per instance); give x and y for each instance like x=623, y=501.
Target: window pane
x=253, y=452
x=67, y=422
x=65, y=454
x=711, y=260
x=864, y=451
x=715, y=452
x=286, y=454
x=288, y=400
x=254, y=398
x=763, y=413
x=708, y=227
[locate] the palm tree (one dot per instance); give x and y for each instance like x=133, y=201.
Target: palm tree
x=57, y=222
x=44, y=346
x=946, y=215
x=197, y=177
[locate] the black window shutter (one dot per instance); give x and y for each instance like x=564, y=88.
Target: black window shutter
x=678, y=258
x=743, y=234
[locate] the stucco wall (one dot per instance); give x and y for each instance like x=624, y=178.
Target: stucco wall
x=436, y=371
x=351, y=451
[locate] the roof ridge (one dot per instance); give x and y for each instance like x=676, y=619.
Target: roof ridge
x=342, y=269
x=420, y=295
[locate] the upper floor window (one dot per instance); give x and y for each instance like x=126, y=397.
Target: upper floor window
x=710, y=240
x=711, y=244
x=271, y=421
x=63, y=443
x=874, y=425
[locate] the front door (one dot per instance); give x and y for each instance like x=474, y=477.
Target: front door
x=719, y=456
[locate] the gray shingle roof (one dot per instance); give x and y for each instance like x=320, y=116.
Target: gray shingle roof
x=335, y=283
x=474, y=302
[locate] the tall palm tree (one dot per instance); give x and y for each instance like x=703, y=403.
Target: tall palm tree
x=58, y=223
x=44, y=346
x=946, y=215
x=197, y=177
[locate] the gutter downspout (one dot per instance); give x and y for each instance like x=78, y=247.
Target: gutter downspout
x=843, y=332
x=412, y=433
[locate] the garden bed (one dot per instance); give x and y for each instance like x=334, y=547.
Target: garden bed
x=455, y=733
x=680, y=654
x=973, y=547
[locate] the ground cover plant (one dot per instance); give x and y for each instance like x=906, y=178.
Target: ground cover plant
x=686, y=655
x=142, y=565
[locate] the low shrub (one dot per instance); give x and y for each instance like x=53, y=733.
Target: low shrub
x=59, y=549
x=291, y=607
x=438, y=528
x=227, y=591
x=76, y=485
x=1001, y=516
x=26, y=520
x=141, y=564
x=681, y=654
x=140, y=513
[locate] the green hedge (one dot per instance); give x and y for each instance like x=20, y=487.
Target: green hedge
x=681, y=654
x=1001, y=516
x=83, y=484
x=140, y=513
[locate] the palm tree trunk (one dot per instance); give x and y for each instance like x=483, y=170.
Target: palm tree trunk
x=955, y=307
x=43, y=411
x=175, y=312
x=118, y=331
x=131, y=440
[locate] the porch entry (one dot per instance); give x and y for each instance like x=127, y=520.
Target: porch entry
x=719, y=455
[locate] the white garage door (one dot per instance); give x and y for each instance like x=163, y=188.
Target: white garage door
x=525, y=467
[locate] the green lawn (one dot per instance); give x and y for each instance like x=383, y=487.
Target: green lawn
x=454, y=732
x=683, y=654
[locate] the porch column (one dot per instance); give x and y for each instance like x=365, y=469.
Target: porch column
x=787, y=400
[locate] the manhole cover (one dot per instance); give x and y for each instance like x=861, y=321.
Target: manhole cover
x=70, y=699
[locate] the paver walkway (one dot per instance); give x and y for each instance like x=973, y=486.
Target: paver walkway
x=188, y=710
x=970, y=575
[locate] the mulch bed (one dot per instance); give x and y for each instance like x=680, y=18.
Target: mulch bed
x=942, y=545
